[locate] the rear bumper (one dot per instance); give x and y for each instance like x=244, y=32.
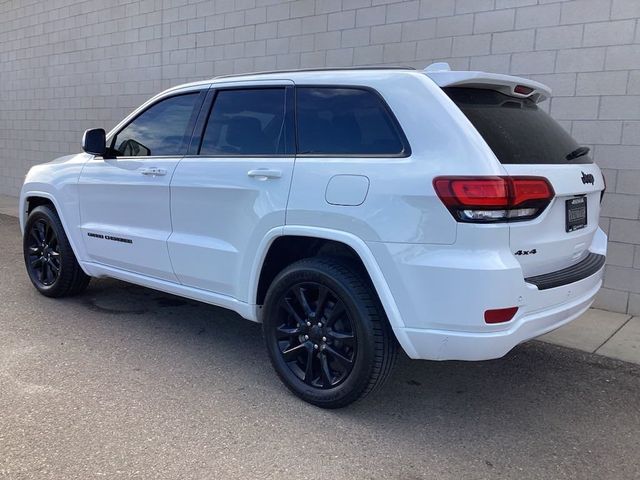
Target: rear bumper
x=442, y=293
x=455, y=345
x=591, y=264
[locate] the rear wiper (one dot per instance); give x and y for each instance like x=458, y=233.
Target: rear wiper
x=578, y=152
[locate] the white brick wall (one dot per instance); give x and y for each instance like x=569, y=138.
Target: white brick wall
x=67, y=65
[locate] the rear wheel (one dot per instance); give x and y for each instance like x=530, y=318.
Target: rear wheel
x=326, y=332
x=49, y=259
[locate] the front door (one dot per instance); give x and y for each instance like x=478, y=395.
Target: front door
x=124, y=197
x=234, y=188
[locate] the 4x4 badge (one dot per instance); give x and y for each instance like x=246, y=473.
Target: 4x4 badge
x=526, y=252
x=587, y=178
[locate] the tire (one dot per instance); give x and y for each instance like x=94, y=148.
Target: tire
x=50, y=262
x=326, y=307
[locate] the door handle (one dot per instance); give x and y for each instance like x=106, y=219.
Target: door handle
x=264, y=173
x=153, y=171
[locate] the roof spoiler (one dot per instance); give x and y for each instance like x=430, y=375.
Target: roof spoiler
x=518, y=87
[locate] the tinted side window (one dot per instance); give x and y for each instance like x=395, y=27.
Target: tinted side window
x=516, y=129
x=352, y=121
x=159, y=130
x=246, y=122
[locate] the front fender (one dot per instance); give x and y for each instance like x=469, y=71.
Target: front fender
x=57, y=181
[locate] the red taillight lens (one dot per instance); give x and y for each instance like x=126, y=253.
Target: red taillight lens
x=528, y=189
x=494, y=199
x=488, y=192
x=500, y=315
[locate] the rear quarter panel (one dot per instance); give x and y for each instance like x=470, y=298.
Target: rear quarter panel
x=401, y=204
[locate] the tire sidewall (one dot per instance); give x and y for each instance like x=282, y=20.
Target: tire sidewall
x=358, y=379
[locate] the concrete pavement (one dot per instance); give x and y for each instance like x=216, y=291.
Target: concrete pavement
x=127, y=382
x=615, y=335
x=605, y=333
x=8, y=205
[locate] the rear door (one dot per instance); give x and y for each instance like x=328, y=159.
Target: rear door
x=233, y=187
x=527, y=141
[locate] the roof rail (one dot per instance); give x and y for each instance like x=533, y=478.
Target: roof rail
x=323, y=69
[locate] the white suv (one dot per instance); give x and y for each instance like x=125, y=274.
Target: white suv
x=349, y=211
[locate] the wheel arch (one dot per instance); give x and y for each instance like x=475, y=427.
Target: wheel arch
x=35, y=198
x=348, y=241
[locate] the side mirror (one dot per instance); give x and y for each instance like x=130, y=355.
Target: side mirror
x=94, y=141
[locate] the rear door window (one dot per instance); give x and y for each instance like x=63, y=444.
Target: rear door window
x=245, y=122
x=346, y=121
x=517, y=129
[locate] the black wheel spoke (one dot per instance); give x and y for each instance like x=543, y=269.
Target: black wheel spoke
x=308, y=372
x=34, y=234
x=48, y=272
x=41, y=231
x=347, y=338
x=339, y=357
x=336, y=312
x=289, y=308
x=36, y=261
x=302, y=299
x=323, y=293
x=54, y=268
x=48, y=231
x=327, y=377
x=284, y=331
x=290, y=354
x=41, y=273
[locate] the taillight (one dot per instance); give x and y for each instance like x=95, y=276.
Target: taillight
x=604, y=189
x=494, y=199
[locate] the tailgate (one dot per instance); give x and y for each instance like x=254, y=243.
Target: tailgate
x=543, y=244
x=528, y=142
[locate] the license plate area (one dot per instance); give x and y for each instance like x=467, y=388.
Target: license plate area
x=576, y=213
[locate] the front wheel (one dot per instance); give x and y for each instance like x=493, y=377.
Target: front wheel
x=48, y=257
x=326, y=333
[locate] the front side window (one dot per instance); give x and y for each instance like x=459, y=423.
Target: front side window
x=159, y=130
x=246, y=122
x=349, y=121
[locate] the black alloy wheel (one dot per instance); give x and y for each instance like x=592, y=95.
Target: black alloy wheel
x=48, y=256
x=43, y=253
x=316, y=336
x=326, y=332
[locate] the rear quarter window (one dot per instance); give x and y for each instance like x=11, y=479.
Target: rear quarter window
x=517, y=129
x=346, y=121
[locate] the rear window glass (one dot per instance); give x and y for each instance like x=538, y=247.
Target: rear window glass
x=516, y=129
x=349, y=121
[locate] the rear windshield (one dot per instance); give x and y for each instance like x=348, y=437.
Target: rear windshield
x=516, y=129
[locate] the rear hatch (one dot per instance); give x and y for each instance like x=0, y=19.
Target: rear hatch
x=527, y=141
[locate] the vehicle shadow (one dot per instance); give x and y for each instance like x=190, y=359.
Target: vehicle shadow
x=540, y=403
x=533, y=381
